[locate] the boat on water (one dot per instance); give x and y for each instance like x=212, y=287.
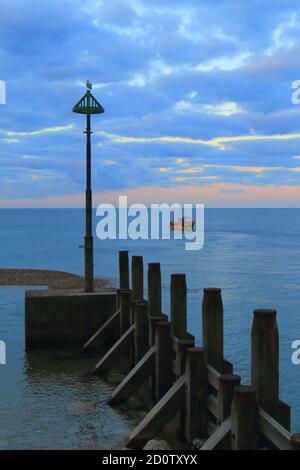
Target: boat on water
x=183, y=224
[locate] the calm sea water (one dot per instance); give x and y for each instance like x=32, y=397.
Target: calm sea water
x=252, y=254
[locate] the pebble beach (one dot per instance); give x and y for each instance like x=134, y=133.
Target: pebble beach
x=43, y=277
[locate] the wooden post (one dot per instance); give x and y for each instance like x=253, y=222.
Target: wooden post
x=132, y=321
x=244, y=419
x=212, y=327
x=154, y=290
x=265, y=359
x=196, y=393
x=163, y=359
x=124, y=269
x=180, y=348
x=154, y=297
x=141, y=337
x=154, y=310
x=178, y=305
x=179, y=333
x=137, y=274
x=295, y=441
x=125, y=304
x=118, y=298
x=227, y=382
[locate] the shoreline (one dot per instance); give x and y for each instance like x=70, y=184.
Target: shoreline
x=46, y=277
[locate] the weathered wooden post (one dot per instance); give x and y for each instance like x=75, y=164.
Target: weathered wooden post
x=212, y=327
x=265, y=365
x=124, y=269
x=154, y=310
x=295, y=441
x=227, y=382
x=154, y=298
x=178, y=305
x=118, y=298
x=137, y=274
x=181, y=339
x=196, y=394
x=137, y=285
x=163, y=359
x=244, y=419
x=123, y=274
x=154, y=290
x=125, y=304
x=141, y=336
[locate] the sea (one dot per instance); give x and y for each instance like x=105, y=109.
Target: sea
x=253, y=255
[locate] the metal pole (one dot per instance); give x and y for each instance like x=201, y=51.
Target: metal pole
x=88, y=105
x=88, y=241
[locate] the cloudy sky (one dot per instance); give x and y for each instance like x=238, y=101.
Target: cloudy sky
x=197, y=97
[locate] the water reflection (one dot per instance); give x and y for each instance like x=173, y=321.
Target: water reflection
x=51, y=403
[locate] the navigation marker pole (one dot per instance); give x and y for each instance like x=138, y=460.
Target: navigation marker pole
x=88, y=105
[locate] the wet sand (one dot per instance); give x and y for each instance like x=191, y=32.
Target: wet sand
x=43, y=277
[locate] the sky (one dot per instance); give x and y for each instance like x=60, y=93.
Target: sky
x=197, y=97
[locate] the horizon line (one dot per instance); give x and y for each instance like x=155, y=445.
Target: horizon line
x=148, y=207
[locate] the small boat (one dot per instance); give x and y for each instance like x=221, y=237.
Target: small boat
x=183, y=224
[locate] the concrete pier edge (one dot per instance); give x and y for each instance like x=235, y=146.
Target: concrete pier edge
x=65, y=318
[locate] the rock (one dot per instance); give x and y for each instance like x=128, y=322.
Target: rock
x=154, y=444
x=115, y=377
x=198, y=443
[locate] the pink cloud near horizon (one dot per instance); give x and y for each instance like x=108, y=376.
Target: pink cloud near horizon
x=214, y=195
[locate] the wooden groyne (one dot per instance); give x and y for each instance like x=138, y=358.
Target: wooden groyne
x=194, y=387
